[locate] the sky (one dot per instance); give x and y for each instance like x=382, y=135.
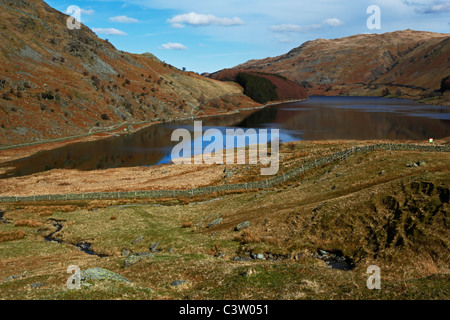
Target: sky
x=209, y=35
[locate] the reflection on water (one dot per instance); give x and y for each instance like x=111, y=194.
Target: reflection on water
x=319, y=118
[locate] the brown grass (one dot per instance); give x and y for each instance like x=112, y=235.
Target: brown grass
x=248, y=237
x=11, y=236
x=27, y=223
x=216, y=249
x=187, y=224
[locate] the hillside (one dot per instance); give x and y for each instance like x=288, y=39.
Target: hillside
x=311, y=237
x=406, y=63
x=56, y=82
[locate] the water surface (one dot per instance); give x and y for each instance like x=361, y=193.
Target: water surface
x=319, y=118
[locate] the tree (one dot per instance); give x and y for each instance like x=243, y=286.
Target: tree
x=445, y=84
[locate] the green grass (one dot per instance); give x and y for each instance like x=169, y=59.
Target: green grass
x=355, y=211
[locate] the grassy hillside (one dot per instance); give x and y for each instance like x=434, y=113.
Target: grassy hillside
x=409, y=64
x=56, y=82
x=369, y=209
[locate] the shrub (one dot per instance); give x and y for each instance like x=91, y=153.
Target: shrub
x=95, y=80
x=6, y=96
x=48, y=95
x=104, y=116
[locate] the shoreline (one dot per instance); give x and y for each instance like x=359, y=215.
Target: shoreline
x=137, y=190
x=114, y=130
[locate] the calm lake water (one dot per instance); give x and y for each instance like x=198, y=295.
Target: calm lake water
x=319, y=118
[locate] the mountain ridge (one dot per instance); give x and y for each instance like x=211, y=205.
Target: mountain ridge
x=411, y=61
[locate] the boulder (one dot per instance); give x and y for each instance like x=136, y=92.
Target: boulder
x=178, y=283
x=101, y=274
x=214, y=222
x=137, y=240
x=154, y=246
x=242, y=225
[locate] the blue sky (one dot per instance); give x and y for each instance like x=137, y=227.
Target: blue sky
x=209, y=35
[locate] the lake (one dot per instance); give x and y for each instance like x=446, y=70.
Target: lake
x=319, y=118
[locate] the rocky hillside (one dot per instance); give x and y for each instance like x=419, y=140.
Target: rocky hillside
x=404, y=63
x=58, y=82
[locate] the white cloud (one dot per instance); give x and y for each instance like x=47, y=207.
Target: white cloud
x=73, y=10
x=422, y=6
x=287, y=28
x=109, y=31
x=173, y=46
x=438, y=7
x=123, y=19
x=334, y=22
x=88, y=12
x=195, y=19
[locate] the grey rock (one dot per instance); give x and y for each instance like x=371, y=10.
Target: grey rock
x=137, y=240
x=241, y=259
x=164, y=172
x=178, y=283
x=220, y=255
x=38, y=285
x=145, y=254
x=11, y=278
x=228, y=173
x=260, y=256
x=133, y=259
x=154, y=246
x=125, y=253
x=382, y=172
x=319, y=207
x=214, y=222
x=416, y=164
x=242, y=225
x=170, y=250
x=101, y=274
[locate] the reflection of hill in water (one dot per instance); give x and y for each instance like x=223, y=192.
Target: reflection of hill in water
x=349, y=124
x=320, y=118
x=144, y=147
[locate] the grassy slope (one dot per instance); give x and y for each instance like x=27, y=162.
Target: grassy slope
x=408, y=241
x=56, y=82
